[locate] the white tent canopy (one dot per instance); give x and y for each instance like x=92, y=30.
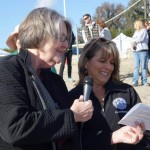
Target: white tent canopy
x=123, y=43
x=3, y=53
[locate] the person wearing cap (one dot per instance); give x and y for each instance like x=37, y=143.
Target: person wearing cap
x=14, y=44
x=12, y=41
x=90, y=29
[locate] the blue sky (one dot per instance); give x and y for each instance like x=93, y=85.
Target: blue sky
x=12, y=12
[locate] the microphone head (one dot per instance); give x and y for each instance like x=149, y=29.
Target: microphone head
x=88, y=80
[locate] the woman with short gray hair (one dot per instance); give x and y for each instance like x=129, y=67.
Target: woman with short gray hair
x=34, y=109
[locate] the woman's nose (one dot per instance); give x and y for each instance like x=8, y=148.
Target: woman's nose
x=109, y=65
x=65, y=44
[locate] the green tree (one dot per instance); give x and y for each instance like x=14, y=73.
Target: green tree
x=107, y=11
x=9, y=50
x=136, y=12
x=123, y=23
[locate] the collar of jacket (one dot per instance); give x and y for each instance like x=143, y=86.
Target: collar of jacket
x=112, y=86
x=26, y=59
x=23, y=55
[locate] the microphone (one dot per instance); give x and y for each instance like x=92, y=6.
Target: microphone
x=87, y=87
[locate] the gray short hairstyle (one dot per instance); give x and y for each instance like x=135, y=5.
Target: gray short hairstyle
x=40, y=24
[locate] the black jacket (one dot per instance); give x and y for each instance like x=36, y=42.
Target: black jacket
x=24, y=124
x=148, y=31
x=73, y=38
x=96, y=133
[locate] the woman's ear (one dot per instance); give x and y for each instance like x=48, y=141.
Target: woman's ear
x=86, y=64
x=18, y=44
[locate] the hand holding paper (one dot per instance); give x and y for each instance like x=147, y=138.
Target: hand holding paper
x=138, y=113
x=128, y=134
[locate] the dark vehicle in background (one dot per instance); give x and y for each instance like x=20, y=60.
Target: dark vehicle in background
x=74, y=49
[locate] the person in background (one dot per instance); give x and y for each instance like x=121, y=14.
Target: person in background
x=90, y=29
x=147, y=25
x=104, y=31
x=13, y=43
x=148, y=31
x=140, y=53
x=111, y=98
x=67, y=56
x=34, y=109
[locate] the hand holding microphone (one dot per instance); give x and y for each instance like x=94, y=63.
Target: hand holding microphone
x=87, y=85
x=82, y=107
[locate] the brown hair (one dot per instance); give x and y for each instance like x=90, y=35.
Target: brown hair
x=101, y=23
x=99, y=44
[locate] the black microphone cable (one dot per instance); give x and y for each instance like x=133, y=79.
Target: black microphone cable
x=87, y=87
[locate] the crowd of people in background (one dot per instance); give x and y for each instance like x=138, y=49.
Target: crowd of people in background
x=37, y=110
x=94, y=29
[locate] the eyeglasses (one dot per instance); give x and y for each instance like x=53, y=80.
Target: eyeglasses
x=85, y=18
x=62, y=38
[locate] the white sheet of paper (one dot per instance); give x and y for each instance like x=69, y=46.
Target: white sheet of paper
x=140, y=113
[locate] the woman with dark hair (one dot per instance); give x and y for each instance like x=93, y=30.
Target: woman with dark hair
x=104, y=31
x=111, y=99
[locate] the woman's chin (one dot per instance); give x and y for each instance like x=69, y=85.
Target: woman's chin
x=58, y=60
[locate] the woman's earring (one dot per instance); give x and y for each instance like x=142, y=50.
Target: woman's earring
x=86, y=72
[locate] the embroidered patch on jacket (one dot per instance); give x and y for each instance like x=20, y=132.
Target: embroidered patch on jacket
x=120, y=104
